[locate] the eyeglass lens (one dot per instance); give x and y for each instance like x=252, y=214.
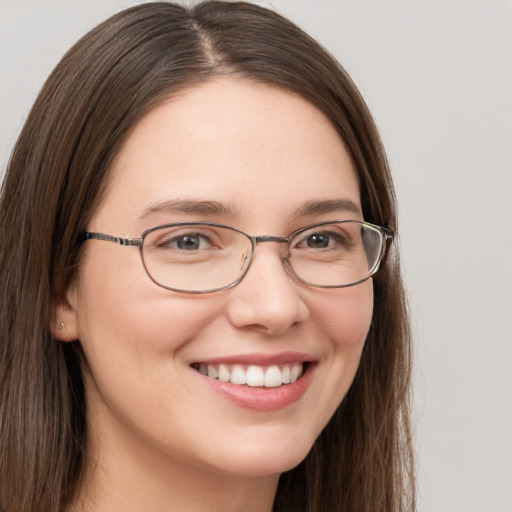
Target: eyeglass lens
x=202, y=257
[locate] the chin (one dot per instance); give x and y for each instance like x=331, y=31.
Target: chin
x=268, y=457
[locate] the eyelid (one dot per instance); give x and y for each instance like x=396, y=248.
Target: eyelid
x=338, y=225
x=171, y=235
x=332, y=234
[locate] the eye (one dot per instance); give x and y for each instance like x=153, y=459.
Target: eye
x=187, y=242
x=190, y=242
x=321, y=240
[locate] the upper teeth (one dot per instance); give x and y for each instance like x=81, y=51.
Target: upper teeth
x=253, y=375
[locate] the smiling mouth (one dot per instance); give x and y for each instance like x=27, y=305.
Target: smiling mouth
x=253, y=375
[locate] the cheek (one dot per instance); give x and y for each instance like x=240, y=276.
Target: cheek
x=346, y=315
x=116, y=296
x=126, y=326
x=133, y=336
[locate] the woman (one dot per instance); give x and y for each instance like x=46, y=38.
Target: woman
x=192, y=317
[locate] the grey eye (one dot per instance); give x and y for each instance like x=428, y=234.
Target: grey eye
x=317, y=241
x=188, y=242
x=321, y=240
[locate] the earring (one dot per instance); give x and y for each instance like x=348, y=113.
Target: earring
x=61, y=326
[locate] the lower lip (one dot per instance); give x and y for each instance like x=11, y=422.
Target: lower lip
x=261, y=398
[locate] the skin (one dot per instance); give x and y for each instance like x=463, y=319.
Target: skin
x=159, y=438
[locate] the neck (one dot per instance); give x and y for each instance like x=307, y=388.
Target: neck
x=142, y=479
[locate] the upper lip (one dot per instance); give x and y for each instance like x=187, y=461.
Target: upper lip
x=260, y=359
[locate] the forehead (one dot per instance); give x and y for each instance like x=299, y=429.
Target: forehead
x=253, y=148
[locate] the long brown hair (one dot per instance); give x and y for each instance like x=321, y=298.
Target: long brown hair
x=58, y=169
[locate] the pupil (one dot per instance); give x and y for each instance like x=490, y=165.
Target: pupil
x=188, y=243
x=318, y=240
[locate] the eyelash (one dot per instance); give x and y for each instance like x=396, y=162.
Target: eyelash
x=172, y=241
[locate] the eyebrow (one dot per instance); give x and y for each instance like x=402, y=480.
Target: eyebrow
x=328, y=206
x=182, y=206
x=216, y=209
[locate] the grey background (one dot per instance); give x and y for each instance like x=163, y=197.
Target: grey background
x=437, y=75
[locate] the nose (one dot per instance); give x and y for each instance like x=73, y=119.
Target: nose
x=268, y=297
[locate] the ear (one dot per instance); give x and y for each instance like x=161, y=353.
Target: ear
x=64, y=324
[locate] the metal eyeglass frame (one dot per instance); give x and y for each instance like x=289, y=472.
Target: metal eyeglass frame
x=387, y=237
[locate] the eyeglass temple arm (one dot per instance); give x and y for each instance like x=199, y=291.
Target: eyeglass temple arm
x=87, y=235
x=389, y=236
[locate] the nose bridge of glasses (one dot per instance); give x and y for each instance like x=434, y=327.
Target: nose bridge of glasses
x=268, y=238
x=282, y=240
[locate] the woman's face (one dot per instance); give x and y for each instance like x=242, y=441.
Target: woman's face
x=262, y=160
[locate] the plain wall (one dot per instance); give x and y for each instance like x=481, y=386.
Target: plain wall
x=437, y=75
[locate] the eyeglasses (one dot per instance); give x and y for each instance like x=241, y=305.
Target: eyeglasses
x=203, y=257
